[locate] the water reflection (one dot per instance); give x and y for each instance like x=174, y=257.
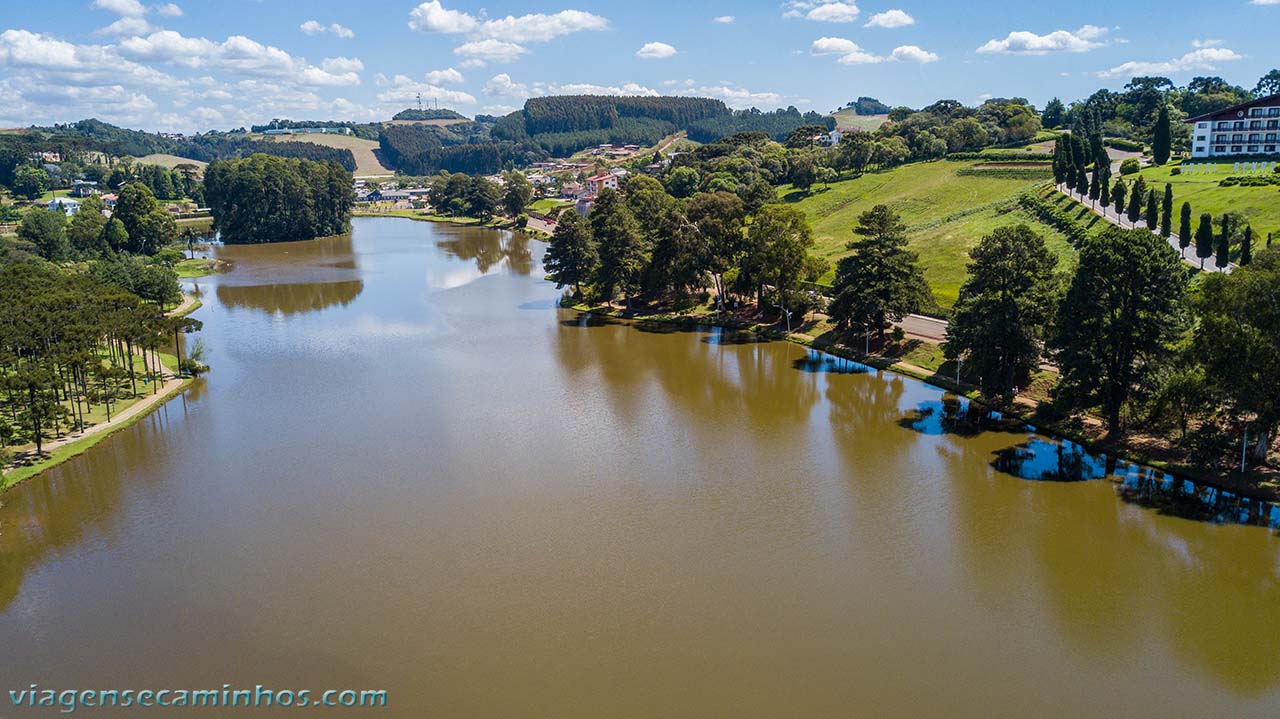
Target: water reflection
x=953, y=414
x=1046, y=460
x=490, y=249
x=290, y=299
x=291, y=278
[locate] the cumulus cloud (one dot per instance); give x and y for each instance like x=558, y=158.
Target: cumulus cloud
x=432, y=17
x=655, y=51
x=822, y=10
x=850, y=53
x=583, y=88
x=490, y=50
x=444, y=77
x=1205, y=58
x=724, y=19
x=125, y=8
x=1022, y=42
x=168, y=10
x=1265, y=2
x=739, y=97
x=891, y=19
x=311, y=27
x=401, y=89
x=502, y=85
x=237, y=54
x=127, y=26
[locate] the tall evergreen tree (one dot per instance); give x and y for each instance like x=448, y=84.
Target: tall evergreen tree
x=1118, y=195
x=880, y=281
x=1204, y=238
x=1153, y=211
x=1166, y=212
x=623, y=251
x=1116, y=321
x=1104, y=188
x=1222, y=250
x=1162, y=136
x=1184, y=228
x=1082, y=181
x=1003, y=309
x=1093, y=183
x=1246, y=246
x=1137, y=194
x=572, y=256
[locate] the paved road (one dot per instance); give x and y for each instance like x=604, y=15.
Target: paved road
x=925, y=328
x=1120, y=220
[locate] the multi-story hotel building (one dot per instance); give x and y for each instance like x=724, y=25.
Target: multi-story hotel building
x=1252, y=128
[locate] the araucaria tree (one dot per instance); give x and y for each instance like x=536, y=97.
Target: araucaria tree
x=571, y=256
x=1003, y=310
x=880, y=281
x=1116, y=320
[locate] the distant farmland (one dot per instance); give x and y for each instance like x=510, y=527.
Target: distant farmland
x=367, y=162
x=849, y=119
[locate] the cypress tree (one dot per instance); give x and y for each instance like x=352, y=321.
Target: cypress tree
x=1204, y=238
x=1104, y=188
x=1166, y=215
x=1184, y=228
x=1222, y=255
x=1059, y=160
x=1117, y=195
x=1246, y=246
x=1093, y=184
x=1153, y=214
x=1136, y=196
x=1162, y=139
x=1082, y=182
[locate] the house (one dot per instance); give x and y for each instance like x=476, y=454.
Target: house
x=619, y=171
x=110, y=200
x=572, y=190
x=65, y=205
x=598, y=183
x=538, y=178
x=390, y=196
x=82, y=188
x=1250, y=128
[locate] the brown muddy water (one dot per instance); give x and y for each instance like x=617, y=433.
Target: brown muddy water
x=409, y=471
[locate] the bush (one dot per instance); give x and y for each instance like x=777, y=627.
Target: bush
x=522, y=221
x=1130, y=166
x=1176, y=171
x=1123, y=144
x=1249, y=181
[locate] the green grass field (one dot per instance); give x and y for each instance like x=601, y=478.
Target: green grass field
x=849, y=119
x=945, y=214
x=1261, y=204
x=170, y=161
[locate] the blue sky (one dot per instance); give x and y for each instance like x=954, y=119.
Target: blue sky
x=194, y=65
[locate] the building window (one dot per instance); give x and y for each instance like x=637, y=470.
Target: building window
x=1237, y=148
x=1271, y=137
x=1253, y=148
x=1203, y=125
x=1219, y=148
x=1271, y=148
x=1273, y=112
x=1200, y=138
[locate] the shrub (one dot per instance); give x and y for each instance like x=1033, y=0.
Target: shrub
x=1122, y=144
x=522, y=221
x=1176, y=171
x=1130, y=166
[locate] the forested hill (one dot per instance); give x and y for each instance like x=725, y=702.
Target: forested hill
x=564, y=124
x=90, y=136
x=442, y=113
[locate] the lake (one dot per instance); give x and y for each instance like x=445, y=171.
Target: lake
x=408, y=470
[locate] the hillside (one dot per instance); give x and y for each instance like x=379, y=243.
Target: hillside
x=946, y=214
x=365, y=151
x=170, y=161
x=420, y=115
x=849, y=119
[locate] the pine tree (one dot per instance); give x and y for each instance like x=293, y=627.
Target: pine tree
x=1153, y=213
x=1204, y=238
x=1162, y=139
x=571, y=256
x=1166, y=214
x=1184, y=228
x=1246, y=246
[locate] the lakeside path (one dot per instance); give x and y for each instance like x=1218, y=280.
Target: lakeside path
x=166, y=391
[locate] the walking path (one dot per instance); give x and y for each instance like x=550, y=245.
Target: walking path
x=171, y=383
x=1119, y=220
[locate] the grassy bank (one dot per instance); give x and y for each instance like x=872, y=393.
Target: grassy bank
x=946, y=214
x=1260, y=204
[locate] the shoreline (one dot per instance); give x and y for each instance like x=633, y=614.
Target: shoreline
x=934, y=379
x=63, y=448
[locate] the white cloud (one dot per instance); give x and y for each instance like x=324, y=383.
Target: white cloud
x=583, y=88
x=1265, y=2
x=168, y=10
x=655, y=51
x=401, y=90
x=891, y=19
x=432, y=17
x=822, y=10
x=1021, y=42
x=912, y=53
x=444, y=77
x=311, y=27
x=852, y=54
x=490, y=50
x=1205, y=58
x=1208, y=43
x=237, y=54
x=723, y=19
x=740, y=97
x=126, y=26
x=125, y=8
x=502, y=85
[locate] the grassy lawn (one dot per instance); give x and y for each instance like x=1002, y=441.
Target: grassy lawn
x=170, y=161
x=946, y=214
x=199, y=267
x=1261, y=204
x=547, y=205
x=849, y=118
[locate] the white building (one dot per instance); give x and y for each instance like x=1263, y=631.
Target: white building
x=65, y=205
x=1251, y=128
